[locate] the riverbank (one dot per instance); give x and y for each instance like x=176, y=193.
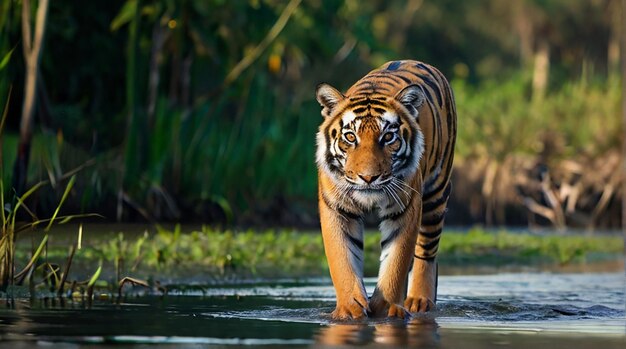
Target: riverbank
x=207, y=254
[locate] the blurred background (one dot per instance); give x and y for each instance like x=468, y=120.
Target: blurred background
x=204, y=110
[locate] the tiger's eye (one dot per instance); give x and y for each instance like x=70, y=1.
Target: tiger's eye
x=350, y=137
x=388, y=137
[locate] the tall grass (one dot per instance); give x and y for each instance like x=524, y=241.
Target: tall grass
x=237, y=157
x=13, y=210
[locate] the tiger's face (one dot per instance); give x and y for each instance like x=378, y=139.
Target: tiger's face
x=366, y=144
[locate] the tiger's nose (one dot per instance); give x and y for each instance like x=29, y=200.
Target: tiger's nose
x=369, y=179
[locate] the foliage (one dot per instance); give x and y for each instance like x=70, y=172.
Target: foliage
x=500, y=119
x=140, y=88
x=504, y=247
x=10, y=229
x=210, y=254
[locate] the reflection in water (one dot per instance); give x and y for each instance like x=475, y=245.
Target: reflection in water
x=516, y=311
x=420, y=332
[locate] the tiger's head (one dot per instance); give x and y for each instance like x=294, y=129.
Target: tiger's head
x=367, y=141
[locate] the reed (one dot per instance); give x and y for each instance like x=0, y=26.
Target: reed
x=13, y=209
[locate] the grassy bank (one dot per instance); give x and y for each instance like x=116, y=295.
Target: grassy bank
x=207, y=254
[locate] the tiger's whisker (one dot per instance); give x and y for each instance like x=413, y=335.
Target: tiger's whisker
x=399, y=181
x=395, y=185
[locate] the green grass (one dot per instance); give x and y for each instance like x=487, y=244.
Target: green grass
x=209, y=254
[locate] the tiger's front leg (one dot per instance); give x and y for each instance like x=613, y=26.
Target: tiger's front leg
x=343, y=244
x=422, y=293
x=399, y=234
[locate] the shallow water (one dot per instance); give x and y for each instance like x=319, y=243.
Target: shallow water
x=504, y=310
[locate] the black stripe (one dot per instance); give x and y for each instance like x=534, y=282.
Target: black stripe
x=327, y=137
x=365, y=82
x=437, y=121
x=434, y=117
x=401, y=157
x=394, y=234
x=385, y=76
x=358, y=243
x=428, y=95
x=393, y=216
x=361, y=117
x=388, y=83
x=431, y=235
x=329, y=162
x=427, y=68
x=431, y=194
x=412, y=138
x=380, y=110
x=430, y=245
x=394, y=65
x=431, y=205
x=428, y=259
x=359, y=258
x=366, y=102
x=359, y=303
x=434, y=220
x=435, y=89
x=427, y=80
x=349, y=214
x=405, y=79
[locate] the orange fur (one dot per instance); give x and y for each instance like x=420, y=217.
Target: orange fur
x=387, y=144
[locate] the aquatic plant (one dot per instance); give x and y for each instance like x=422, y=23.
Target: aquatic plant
x=12, y=208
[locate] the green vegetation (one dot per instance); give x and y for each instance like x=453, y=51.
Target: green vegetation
x=205, y=110
x=208, y=254
x=10, y=231
x=501, y=120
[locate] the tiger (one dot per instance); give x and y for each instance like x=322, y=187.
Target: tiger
x=387, y=146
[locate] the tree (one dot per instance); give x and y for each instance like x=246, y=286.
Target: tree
x=32, y=54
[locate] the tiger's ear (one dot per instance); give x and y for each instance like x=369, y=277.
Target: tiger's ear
x=412, y=97
x=328, y=97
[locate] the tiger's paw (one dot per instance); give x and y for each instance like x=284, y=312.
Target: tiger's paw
x=419, y=304
x=396, y=311
x=379, y=308
x=353, y=310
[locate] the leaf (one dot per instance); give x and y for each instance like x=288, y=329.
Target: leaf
x=5, y=60
x=224, y=205
x=34, y=257
x=65, y=194
x=125, y=15
x=95, y=277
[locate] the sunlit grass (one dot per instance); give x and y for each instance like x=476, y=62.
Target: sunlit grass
x=209, y=254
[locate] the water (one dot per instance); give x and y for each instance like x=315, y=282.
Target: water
x=503, y=310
